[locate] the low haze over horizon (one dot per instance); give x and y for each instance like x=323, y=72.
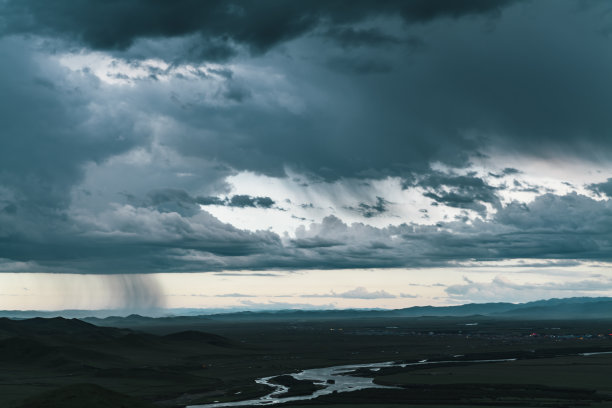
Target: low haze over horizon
x=320, y=154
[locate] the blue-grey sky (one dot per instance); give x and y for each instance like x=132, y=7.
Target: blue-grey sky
x=148, y=136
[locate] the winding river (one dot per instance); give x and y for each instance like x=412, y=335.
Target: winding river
x=332, y=379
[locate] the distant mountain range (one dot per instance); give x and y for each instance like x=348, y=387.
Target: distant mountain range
x=568, y=308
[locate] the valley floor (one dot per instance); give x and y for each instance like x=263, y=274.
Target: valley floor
x=187, y=361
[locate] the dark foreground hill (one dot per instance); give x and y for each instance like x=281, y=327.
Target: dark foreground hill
x=69, y=355
x=83, y=396
x=47, y=334
x=67, y=329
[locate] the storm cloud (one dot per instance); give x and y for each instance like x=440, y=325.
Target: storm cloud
x=175, y=200
x=260, y=26
x=461, y=191
x=125, y=124
x=604, y=188
x=372, y=210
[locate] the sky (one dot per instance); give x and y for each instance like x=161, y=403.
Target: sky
x=319, y=154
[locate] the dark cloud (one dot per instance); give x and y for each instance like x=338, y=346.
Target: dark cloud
x=372, y=210
x=569, y=227
x=315, y=242
x=359, y=65
x=176, y=200
x=604, y=188
x=128, y=239
x=491, y=80
x=525, y=187
x=299, y=218
x=474, y=89
x=510, y=170
x=348, y=37
x=551, y=227
x=51, y=129
x=248, y=201
x=236, y=93
x=550, y=212
x=505, y=172
x=131, y=239
x=42, y=123
x=260, y=26
x=409, y=110
x=210, y=201
x=460, y=191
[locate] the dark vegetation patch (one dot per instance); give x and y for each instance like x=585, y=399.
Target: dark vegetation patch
x=81, y=396
x=200, y=337
x=473, y=395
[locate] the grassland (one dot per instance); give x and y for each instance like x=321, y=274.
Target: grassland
x=174, y=363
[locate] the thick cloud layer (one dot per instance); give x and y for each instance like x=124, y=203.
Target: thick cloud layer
x=479, y=83
x=122, y=123
x=260, y=26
